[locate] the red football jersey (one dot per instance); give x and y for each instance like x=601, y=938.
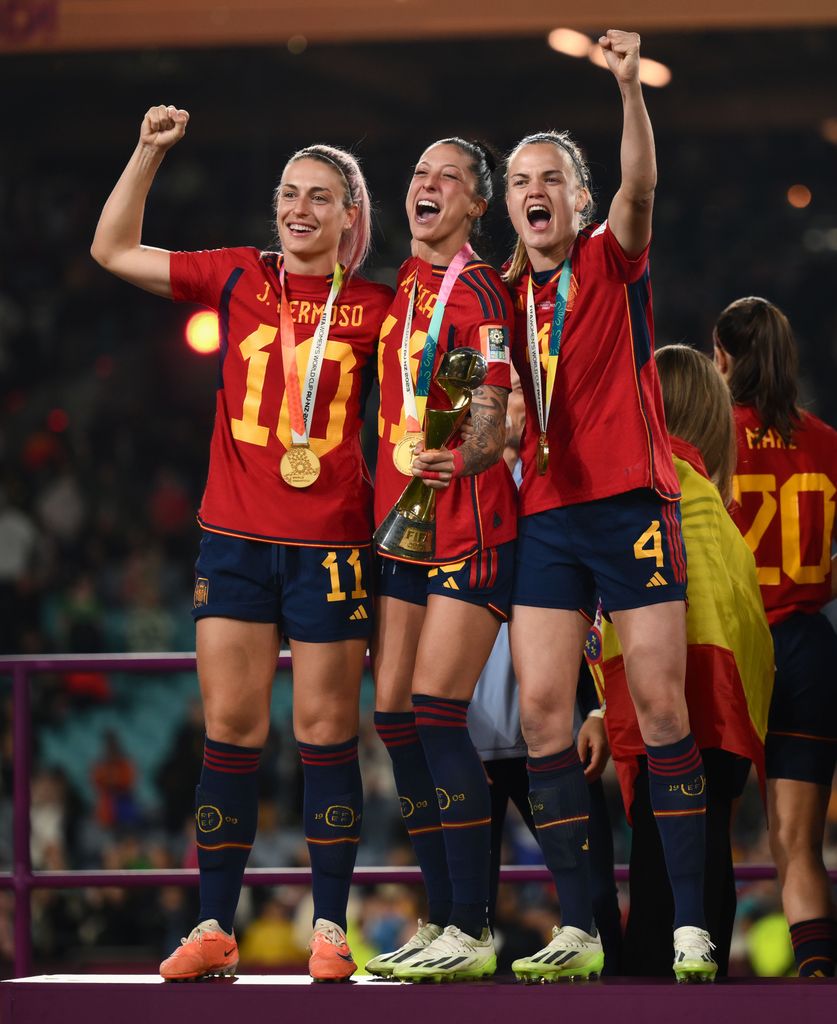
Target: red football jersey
x=245, y=494
x=786, y=502
x=474, y=512
x=606, y=428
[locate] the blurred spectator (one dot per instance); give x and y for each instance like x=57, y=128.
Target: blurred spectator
x=114, y=776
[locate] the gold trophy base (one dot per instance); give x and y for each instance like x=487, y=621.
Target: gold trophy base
x=403, y=535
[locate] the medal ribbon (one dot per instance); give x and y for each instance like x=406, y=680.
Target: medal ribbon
x=428, y=354
x=555, y=333
x=301, y=404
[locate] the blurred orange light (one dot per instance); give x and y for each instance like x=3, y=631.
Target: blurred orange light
x=567, y=40
x=799, y=196
x=829, y=130
x=652, y=72
x=202, y=334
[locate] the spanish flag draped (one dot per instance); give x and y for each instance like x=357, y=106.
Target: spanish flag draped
x=729, y=671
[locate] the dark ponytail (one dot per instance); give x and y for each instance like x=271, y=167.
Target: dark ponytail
x=760, y=340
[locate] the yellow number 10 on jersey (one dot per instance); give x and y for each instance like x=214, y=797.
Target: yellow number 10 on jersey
x=248, y=429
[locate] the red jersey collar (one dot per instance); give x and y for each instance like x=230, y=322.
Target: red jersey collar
x=688, y=453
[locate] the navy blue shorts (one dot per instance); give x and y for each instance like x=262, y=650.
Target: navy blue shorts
x=316, y=595
x=626, y=550
x=484, y=579
x=801, y=739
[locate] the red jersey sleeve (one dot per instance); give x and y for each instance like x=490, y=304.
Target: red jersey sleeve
x=486, y=322
x=201, y=276
x=602, y=248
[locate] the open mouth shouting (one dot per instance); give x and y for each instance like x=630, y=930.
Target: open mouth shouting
x=427, y=211
x=538, y=216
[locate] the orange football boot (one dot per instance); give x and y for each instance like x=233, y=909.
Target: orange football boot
x=331, y=958
x=208, y=952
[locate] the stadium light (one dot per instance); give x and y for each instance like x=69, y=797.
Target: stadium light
x=570, y=42
x=202, y=333
x=799, y=196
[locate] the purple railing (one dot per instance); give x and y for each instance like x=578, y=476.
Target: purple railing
x=22, y=879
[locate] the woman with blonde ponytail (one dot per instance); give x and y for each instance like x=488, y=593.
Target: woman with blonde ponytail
x=286, y=546
x=599, y=515
x=785, y=486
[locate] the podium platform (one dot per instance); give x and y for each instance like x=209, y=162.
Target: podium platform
x=276, y=999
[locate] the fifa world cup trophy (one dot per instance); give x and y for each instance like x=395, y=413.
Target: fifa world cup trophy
x=409, y=530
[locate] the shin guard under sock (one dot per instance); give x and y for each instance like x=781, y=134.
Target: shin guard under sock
x=678, y=797
x=332, y=812
x=560, y=802
x=419, y=807
x=227, y=803
x=464, y=805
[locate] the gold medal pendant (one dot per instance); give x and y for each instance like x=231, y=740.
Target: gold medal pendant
x=402, y=454
x=543, y=454
x=299, y=467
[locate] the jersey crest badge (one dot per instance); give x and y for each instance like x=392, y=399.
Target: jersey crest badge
x=201, y=591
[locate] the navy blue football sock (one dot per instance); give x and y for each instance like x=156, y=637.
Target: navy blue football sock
x=332, y=812
x=813, y=947
x=227, y=803
x=678, y=797
x=464, y=806
x=419, y=807
x=560, y=801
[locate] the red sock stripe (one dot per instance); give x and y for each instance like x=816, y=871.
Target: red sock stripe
x=810, y=931
x=327, y=758
x=566, y=759
x=684, y=764
x=441, y=714
x=231, y=767
x=398, y=735
x=428, y=720
x=232, y=756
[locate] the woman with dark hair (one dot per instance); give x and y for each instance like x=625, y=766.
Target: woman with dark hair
x=437, y=617
x=785, y=485
x=729, y=667
x=285, y=519
x=599, y=515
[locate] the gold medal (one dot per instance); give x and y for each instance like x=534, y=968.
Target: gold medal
x=299, y=467
x=402, y=453
x=543, y=454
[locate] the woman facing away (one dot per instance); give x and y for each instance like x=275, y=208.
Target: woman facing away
x=285, y=519
x=785, y=485
x=437, y=620
x=599, y=516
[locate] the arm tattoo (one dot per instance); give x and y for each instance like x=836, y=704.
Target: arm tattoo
x=488, y=422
